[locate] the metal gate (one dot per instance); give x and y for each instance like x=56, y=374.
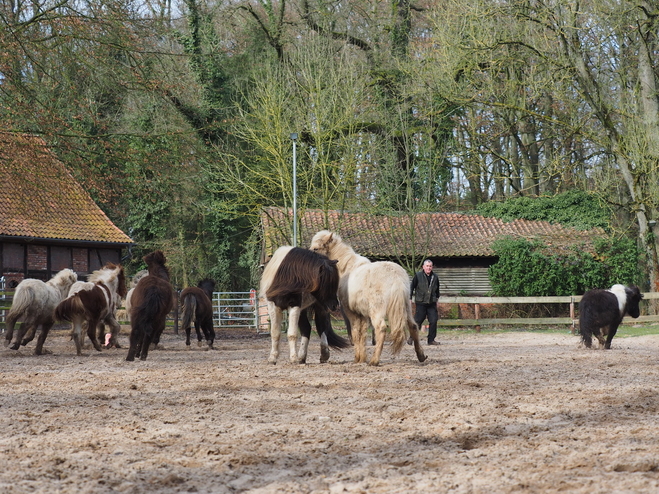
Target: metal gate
x=235, y=309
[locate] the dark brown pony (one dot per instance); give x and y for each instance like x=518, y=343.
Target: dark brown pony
x=299, y=280
x=198, y=308
x=151, y=301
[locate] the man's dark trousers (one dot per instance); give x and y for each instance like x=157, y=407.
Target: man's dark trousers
x=429, y=311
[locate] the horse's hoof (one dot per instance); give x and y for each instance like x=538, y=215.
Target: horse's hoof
x=272, y=362
x=15, y=346
x=324, y=360
x=422, y=358
x=43, y=351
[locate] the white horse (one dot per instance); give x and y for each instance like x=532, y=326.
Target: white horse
x=296, y=279
x=34, y=303
x=95, y=302
x=371, y=292
x=136, y=279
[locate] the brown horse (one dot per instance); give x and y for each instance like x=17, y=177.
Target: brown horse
x=198, y=308
x=151, y=301
x=296, y=280
x=94, y=302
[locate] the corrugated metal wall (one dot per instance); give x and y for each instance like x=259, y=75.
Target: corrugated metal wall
x=463, y=281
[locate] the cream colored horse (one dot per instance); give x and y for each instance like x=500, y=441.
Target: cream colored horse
x=371, y=292
x=34, y=302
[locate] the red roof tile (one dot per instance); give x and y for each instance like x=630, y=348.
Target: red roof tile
x=433, y=234
x=39, y=198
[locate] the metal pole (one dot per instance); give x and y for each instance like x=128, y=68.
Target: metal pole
x=294, y=137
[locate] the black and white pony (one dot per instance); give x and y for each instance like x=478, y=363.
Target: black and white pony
x=299, y=280
x=601, y=312
x=198, y=310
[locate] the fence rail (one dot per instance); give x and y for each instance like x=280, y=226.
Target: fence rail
x=244, y=309
x=572, y=300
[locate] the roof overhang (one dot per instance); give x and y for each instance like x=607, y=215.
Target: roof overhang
x=65, y=242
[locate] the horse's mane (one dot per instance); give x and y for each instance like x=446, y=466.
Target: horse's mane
x=155, y=261
x=64, y=277
x=301, y=271
x=112, y=275
x=332, y=245
x=208, y=286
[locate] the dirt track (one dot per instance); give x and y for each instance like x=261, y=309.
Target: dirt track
x=497, y=413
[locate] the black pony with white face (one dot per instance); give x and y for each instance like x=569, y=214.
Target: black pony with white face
x=602, y=311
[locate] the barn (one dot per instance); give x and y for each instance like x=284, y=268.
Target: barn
x=460, y=245
x=48, y=222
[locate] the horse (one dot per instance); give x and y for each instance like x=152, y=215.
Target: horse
x=371, y=293
x=136, y=279
x=151, y=301
x=197, y=307
x=299, y=280
x=95, y=302
x=35, y=302
x=602, y=311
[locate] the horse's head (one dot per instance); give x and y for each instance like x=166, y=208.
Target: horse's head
x=634, y=297
x=156, y=264
x=208, y=286
x=122, y=290
x=328, y=285
x=322, y=242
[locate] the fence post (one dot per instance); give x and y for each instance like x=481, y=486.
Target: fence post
x=574, y=328
x=477, y=316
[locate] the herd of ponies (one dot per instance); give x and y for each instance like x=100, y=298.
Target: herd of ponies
x=306, y=283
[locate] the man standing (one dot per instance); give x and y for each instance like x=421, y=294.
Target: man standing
x=425, y=288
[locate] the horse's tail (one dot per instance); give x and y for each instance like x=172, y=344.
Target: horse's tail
x=399, y=314
x=23, y=299
x=189, y=310
x=68, y=308
x=152, y=306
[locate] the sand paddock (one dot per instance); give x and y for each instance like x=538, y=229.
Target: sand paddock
x=487, y=413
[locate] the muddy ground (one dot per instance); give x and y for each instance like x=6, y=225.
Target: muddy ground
x=518, y=412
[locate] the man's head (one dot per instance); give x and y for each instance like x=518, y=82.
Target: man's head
x=427, y=266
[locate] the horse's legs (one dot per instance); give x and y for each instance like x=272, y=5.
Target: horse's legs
x=414, y=334
x=198, y=331
x=9, y=330
x=601, y=334
x=293, y=318
x=29, y=336
x=30, y=325
x=305, y=333
x=187, y=336
x=359, y=329
x=323, y=324
x=38, y=350
x=135, y=341
x=276, y=317
x=77, y=335
x=115, y=329
x=609, y=337
x=380, y=331
x=91, y=332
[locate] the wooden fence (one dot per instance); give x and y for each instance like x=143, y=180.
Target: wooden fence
x=572, y=320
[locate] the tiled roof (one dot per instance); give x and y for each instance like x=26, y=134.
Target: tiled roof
x=39, y=198
x=434, y=234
